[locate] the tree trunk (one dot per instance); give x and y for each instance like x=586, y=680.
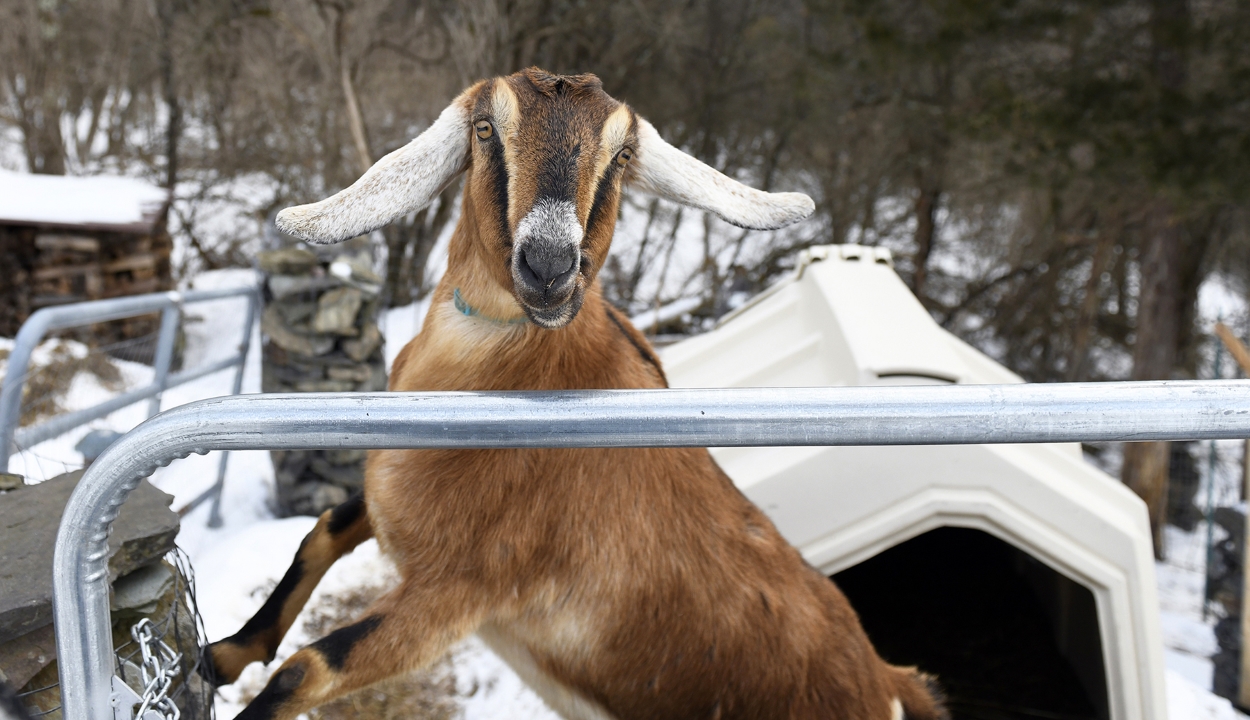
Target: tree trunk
x=1079, y=360
x=1157, y=332
x=408, y=249
x=926, y=227
x=354, y=119
x=165, y=11
x=1161, y=307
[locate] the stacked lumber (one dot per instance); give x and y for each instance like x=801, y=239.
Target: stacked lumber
x=56, y=266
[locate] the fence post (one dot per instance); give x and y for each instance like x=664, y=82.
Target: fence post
x=214, y=513
x=170, y=317
x=31, y=332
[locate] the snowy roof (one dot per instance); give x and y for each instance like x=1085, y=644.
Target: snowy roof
x=110, y=203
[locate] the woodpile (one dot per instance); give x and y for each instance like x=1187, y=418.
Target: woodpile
x=321, y=335
x=108, y=241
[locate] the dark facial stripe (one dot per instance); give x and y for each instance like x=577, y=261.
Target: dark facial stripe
x=602, y=191
x=557, y=173
x=336, y=646
x=499, y=174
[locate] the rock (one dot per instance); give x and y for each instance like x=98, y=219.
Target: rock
x=351, y=373
x=376, y=383
x=293, y=312
x=356, y=272
x=11, y=481
x=362, y=347
x=23, y=657
x=309, y=345
x=144, y=531
x=141, y=590
x=96, y=442
x=283, y=286
x=345, y=457
x=349, y=477
x=324, y=386
x=287, y=261
x=336, y=312
x=314, y=498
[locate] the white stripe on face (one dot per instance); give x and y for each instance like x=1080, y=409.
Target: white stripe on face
x=552, y=223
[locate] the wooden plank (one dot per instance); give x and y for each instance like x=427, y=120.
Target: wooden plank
x=66, y=271
x=76, y=243
x=137, y=287
x=140, y=261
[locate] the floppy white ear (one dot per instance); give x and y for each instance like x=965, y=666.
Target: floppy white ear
x=402, y=182
x=663, y=170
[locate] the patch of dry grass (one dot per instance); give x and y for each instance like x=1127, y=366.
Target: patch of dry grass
x=46, y=385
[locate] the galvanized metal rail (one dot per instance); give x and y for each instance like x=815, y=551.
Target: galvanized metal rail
x=962, y=414
x=39, y=324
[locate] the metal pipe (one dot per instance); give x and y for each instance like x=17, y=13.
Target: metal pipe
x=960, y=414
x=61, y=424
x=245, y=345
x=170, y=317
x=43, y=321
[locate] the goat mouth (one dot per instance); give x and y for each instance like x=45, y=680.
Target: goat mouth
x=555, y=315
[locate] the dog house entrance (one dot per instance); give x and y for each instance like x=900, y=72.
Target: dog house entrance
x=1009, y=638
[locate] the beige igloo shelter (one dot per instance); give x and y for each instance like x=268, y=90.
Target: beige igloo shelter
x=1019, y=574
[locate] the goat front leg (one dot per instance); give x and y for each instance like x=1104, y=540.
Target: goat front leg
x=338, y=532
x=406, y=629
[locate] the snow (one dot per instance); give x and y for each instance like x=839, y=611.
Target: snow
x=666, y=313
x=1189, y=701
x=64, y=200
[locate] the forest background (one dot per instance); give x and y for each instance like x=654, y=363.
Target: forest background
x=1056, y=180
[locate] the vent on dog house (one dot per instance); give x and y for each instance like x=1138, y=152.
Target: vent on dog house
x=1020, y=574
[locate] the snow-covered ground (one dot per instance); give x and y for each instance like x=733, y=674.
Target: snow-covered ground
x=237, y=564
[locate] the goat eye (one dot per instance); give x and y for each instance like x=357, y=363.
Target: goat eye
x=624, y=156
x=484, y=129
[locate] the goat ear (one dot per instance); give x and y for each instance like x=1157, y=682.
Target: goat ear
x=663, y=170
x=402, y=182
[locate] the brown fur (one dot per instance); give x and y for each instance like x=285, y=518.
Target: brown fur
x=633, y=583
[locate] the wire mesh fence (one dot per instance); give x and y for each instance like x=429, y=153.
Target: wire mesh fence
x=157, y=654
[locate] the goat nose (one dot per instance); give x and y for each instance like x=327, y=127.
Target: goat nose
x=547, y=264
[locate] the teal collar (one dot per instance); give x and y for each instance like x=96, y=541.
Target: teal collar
x=468, y=310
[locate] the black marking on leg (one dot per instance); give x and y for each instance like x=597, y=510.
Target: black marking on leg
x=346, y=513
x=208, y=668
x=337, y=645
x=280, y=689
x=270, y=613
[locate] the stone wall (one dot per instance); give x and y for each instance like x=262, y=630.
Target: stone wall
x=145, y=585
x=321, y=335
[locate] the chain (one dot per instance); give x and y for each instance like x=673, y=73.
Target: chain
x=160, y=663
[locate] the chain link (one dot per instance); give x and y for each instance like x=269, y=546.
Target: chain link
x=160, y=663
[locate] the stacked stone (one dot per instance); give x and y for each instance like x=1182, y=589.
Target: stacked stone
x=145, y=585
x=321, y=335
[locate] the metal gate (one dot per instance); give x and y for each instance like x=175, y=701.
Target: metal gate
x=170, y=305
x=961, y=414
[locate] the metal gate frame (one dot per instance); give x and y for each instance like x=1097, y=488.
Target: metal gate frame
x=61, y=317
x=923, y=415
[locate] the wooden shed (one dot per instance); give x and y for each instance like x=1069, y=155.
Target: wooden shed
x=69, y=239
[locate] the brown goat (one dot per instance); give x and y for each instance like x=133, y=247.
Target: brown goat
x=619, y=583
